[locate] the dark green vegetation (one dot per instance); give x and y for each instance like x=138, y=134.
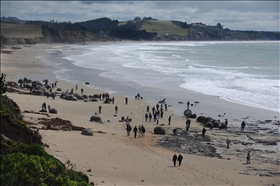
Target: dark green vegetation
x=105, y=29
x=23, y=158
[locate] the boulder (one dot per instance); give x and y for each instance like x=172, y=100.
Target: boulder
x=94, y=100
x=34, y=83
x=87, y=132
x=193, y=116
x=79, y=97
x=159, y=130
x=208, y=124
x=207, y=119
x=58, y=89
x=43, y=110
x=85, y=96
x=38, y=92
x=87, y=83
x=53, y=111
x=71, y=98
x=28, y=85
x=108, y=100
x=13, y=84
x=96, y=118
x=200, y=119
x=96, y=96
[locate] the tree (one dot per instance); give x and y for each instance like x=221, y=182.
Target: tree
x=219, y=25
x=3, y=87
x=137, y=18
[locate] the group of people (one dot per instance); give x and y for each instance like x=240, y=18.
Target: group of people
x=157, y=113
x=175, y=159
x=140, y=130
x=44, y=106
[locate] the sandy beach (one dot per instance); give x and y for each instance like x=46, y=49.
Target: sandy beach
x=110, y=157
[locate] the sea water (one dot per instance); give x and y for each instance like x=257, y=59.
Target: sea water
x=245, y=72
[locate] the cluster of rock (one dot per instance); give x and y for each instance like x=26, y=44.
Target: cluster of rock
x=209, y=122
x=194, y=144
x=58, y=124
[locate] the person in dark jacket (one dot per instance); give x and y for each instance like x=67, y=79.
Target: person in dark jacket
x=180, y=158
x=135, y=130
x=146, y=116
x=203, y=132
x=143, y=130
x=128, y=129
x=174, y=159
x=169, y=120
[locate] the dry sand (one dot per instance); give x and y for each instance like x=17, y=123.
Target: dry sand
x=112, y=157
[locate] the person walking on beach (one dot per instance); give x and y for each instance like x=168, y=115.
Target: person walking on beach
x=248, y=157
x=157, y=105
x=243, y=124
x=203, y=132
x=174, y=159
x=188, y=105
x=169, y=120
x=135, y=130
x=143, y=130
x=127, y=121
x=44, y=106
x=99, y=109
x=82, y=90
x=49, y=107
x=148, y=108
x=226, y=123
x=146, y=116
x=140, y=131
x=150, y=116
x=165, y=107
x=126, y=100
x=228, y=142
x=76, y=87
x=157, y=119
x=113, y=100
x=128, y=129
x=116, y=109
x=180, y=158
x=153, y=109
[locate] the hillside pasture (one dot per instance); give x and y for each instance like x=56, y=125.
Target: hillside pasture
x=20, y=31
x=163, y=27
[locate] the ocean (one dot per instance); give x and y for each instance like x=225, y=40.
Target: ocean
x=243, y=72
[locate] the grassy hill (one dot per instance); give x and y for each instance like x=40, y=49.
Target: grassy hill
x=17, y=30
x=161, y=27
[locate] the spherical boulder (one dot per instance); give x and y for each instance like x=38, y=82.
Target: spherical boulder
x=79, y=97
x=193, y=116
x=53, y=111
x=159, y=130
x=200, y=118
x=87, y=132
x=96, y=118
x=207, y=119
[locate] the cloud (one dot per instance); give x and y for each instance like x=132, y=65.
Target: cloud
x=237, y=15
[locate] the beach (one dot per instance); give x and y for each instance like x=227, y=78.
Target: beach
x=110, y=157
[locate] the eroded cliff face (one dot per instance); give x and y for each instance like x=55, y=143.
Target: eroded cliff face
x=56, y=36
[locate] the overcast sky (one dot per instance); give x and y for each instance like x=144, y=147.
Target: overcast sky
x=235, y=15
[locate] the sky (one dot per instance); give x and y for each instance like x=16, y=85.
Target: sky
x=235, y=15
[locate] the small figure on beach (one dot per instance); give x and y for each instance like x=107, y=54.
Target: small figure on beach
x=113, y=100
x=228, y=142
x=174, y=159
x=116, y=109
x=53, y=95
x=44, y=105
x=157, y=119
x=143, y=131
x=226, y=123
x=138, y=95
x=169, y=120
x=146, y=116
x=49, y=107
x=135, y=130
x=76, y=87
x=140, y=131
x=99, y=109
x=150, y=117
x=128, y=129
x=165, y=106
x=127, y=121
x=243, y=124
x=82, y=90
x=157, y=105
x=203, y=132
x=248, y=157
x=148, y=108
x=48, y=95
x=153, y=109
x=72, y=90
x=174, y=132
x=180, y=158
x=126, y=100
x=188, y=105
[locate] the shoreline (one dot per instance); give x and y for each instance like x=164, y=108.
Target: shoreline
x=104, y=153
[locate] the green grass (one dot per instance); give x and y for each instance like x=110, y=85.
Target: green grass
x=20, y=31
x=160, y=27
